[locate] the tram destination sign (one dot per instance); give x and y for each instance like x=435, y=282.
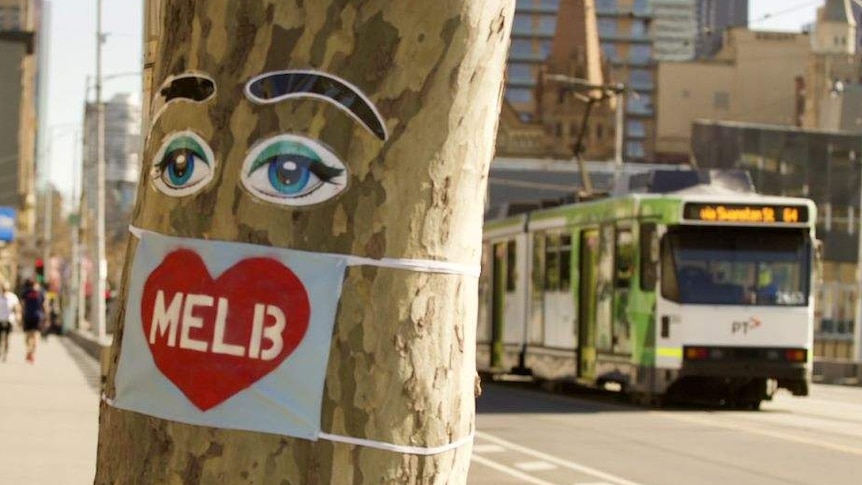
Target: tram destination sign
x=745, y=213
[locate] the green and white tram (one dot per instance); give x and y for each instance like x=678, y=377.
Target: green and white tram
x=701, y=292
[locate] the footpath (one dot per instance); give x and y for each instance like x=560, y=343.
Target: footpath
x=49, y=414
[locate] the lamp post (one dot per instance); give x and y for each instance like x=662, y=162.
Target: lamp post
x=64, y=129
x=98, y=249
x=101, y=261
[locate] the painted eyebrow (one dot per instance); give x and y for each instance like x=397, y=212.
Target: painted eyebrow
x=276, y=86
x=193, y=87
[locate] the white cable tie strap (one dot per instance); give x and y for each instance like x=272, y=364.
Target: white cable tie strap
x=418, y=265
x=136, y=231
x=108, y=401
x=407, y=450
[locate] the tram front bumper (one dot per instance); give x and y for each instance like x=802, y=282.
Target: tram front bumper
x=791, y=376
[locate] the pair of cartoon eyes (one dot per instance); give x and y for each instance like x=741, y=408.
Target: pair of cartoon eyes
x=285, y=169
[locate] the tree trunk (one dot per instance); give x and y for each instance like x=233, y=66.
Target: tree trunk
x=402, y=361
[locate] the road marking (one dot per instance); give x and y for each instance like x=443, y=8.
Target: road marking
x=612, y=479
x=764, y=432
x=509, y=471
x=535, y=466
x=488, y=449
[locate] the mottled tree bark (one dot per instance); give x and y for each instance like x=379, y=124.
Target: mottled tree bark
x=402, y=366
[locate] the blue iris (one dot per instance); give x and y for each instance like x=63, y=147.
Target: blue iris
x=289, y=169
x=289, y=174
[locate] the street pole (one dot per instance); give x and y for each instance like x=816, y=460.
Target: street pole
x=857, y=322
x=100, y=261
x=606, y=90
x=618, y=139
x=46, y=236
x=49, y=205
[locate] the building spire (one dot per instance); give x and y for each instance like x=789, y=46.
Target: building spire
x=838, y=11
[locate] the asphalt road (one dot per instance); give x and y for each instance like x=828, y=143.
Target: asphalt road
x=526, y=436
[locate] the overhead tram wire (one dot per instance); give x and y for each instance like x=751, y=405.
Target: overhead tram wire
x=762, y=18
x=772, y=15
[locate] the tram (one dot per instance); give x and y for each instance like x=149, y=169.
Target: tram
x=685, y=288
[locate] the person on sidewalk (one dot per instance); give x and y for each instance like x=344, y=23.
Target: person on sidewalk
x=10, y=313
x=33, y=301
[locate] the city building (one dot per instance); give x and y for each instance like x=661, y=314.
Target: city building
x=549, y=104
x=755, y=78
x=856, y=7
x=675, y=29
x=627, y=44
x=714, y=18
x=122, y=148
x=20, y=24
x=835, y=29
x=833, y=93
x=122, y=168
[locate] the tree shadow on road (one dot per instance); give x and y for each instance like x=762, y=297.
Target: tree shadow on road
x=528, y=396
x=531, y=397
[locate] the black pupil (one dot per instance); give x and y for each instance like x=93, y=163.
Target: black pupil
x=179, y=161
x=291, y=169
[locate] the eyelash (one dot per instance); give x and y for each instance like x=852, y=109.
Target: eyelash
x=292, y=170
x=197, y=164
x=323, y=171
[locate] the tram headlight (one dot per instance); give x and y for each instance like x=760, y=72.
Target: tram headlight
x=795, y=355
x=696, y=353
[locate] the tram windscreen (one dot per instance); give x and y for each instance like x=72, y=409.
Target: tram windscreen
x=736, y=266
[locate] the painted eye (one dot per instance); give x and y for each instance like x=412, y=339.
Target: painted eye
x=292, y=170
x=183, y=165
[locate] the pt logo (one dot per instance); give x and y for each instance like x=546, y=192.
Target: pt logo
x=745, y=326
x=214, y=337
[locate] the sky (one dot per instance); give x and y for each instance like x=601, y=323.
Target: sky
x=72, y=60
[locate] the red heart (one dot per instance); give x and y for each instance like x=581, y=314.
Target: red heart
x=187, y=350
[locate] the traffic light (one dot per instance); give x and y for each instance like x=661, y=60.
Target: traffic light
x=40, y=271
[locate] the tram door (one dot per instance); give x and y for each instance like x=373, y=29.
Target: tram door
x=588, y=265
x=498, y=304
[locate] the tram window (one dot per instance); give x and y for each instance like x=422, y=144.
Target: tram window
x=624, y=258
x=537, y=324
x=538, y=264
x=748, y=266
x=648, y=256
x=669, y=285
x=552, y=262
x=511, y=270
x=565, y=262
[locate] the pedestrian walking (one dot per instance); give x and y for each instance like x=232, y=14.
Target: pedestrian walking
x=33, y=303
x=10, y=314
x=52, y=316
